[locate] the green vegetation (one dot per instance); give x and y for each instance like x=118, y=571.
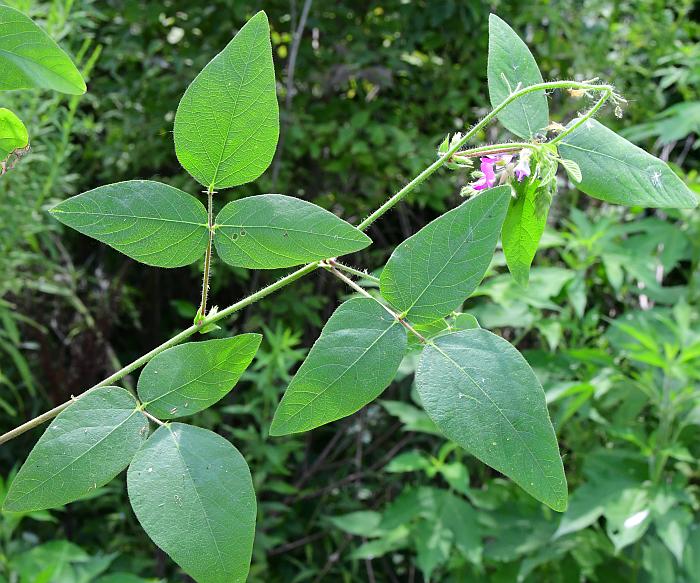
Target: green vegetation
x=606, y=317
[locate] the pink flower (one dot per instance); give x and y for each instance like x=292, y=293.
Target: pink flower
x=488, y=165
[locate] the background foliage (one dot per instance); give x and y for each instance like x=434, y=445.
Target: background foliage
x=609, y=321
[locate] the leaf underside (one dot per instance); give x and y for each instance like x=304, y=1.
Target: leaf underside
x=29, y=58
x=617, y=171
x=189, y=378
x=272, y=231
x=192, y=492
x=430, y=274
x=482, y=394
x=227, y=123
x=148, y=221
x=353, y=361
x=86, y=446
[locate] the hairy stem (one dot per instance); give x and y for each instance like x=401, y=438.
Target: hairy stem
x=207, y=257
x=355, y=272
x=331, y=265
x=301, y=272
x=423, y=176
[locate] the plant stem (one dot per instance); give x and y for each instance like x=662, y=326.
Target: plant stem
x=584, y=118
x=301, y=272
x=401, y=194
x=207, y=257
x=331, y=265
x=356, y=272
x=175, y=340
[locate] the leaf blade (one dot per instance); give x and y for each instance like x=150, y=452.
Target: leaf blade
x=14, y=138
x=412, y=280
x=86, y=446
x=523, y=227
x=186, y=379
x=272, y=231
x=188, y=479
x=219, y=159
x=617, y=171
x=148, y=221
x=511, y=63
x=508, y=400
x=360, y=336
x=31, y=59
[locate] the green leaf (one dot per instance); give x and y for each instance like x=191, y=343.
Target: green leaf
x=272, y=231
x=617, y=171
x=192, y=492
x=353, y=361
x=227, y=123
x=523, y=227
x=482, y=395
x=29, y=58
x=360, y=523
x=150, y=222
x=511, y=64
x=189, y=378
x=86, y=446
x=14, y=139
x=431, y=273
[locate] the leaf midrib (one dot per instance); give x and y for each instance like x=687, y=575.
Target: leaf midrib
x=515, y=431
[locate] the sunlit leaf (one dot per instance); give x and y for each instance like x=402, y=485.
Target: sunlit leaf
x=150, y=222
x=14, y=139
x=30, y=58
x=191, y=377
x=272, y=231
x=227, y=123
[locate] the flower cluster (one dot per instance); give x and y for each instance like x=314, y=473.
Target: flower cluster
x=498, y=168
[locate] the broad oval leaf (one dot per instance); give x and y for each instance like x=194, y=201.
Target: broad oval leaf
x=523, y=227
x=150, y=222
x=30, y=58
x=482, y=394
x=272, y=231
x=511, y=64
x=352, y=362
x=227, y=123
x=192, y=492
x=13, y=138
x=191, y=377
x=86, y=446
x=431, y=273
x=617, y=171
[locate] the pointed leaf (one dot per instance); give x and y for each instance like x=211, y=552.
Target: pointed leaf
x=30, y=58
x=353, y=361
x=227, y=123
x=192, y=492
x=523, y=227
x=86, y=446
x=482, y=395
x=150, y=222
x=617, y=171
x=272, y=231
x=431, y=273
x=511, y=64
x=13, y=139
x=189, y=378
